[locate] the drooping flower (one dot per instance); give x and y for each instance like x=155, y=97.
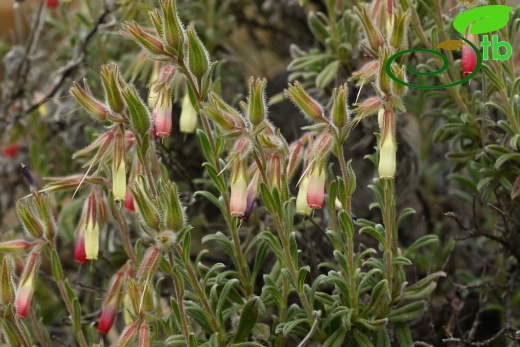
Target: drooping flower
x=129, y=200
x=188, y=120
x=469, y=57
x=52, y=3
x=302, y=207
x=388, y=146
x=111, y=302
x=316, y=186
x=91, y=228
x=163, y=116
x=252, y=191
x=12, y=150
x=80, y=255
x=238, y=202
x=26, y=287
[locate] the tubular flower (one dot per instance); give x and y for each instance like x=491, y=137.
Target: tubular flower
x=91, y=228
x=252, y=191
x=316, y=187
x=301, y=200
x=80, y=256
x=238, y=202
x=26, y=288
x=163, y=117
x=129, y=200
x=188, y=119
x=111, y=303
x=11, y=151
x=388, y=149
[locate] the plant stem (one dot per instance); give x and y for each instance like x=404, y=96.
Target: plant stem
x=196, y=286
x=79, y=332
x=341, y=157
x=127, y=245
x=12, y=322
x=37, y=326
x=180, y=300
x=388, y=218
x=280, y=341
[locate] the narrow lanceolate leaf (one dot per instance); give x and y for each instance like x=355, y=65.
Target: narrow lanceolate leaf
x=57, y=271
x=247, y=319
x=408, y=312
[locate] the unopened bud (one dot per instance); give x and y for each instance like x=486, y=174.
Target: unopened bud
x=309, y=106
x=340, y=112
x=173, y=31
x=198, y=59
x=91, y=228
x=87, y=100
x=151, y=44
x=256, y=106
x=172, y=216
x=128, y=335
x=275, y=172
x=399, y=25
x=366, y=73
x=383, y=80
x=374, y=36
x=252, y=191
x=399, y=89
x=238, y=201
x=119, y=168
x=7, y=288
x=149, y=264
x=110, y=77
x=29, y=220
x=368, y=107
x=27, y=284
x=144, y=336
x=15, y=246
x=295, y=158
x=147, y=209
x=139, y=115
x=322, y=146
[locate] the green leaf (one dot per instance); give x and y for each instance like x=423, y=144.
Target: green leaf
x=327, y=75
x=268, y=198
x=336, y=339
x=373, y=325
x=380, y=298
x=247, y=319
x=302, y=273
x=383, y=339
x=199, y=315
x=76, y=308
x=273, y=242
x=289, y=326
x=57, y=271
x=224, y=295
x=505, y=158
x=420, y=293
x=345, y=223
x=212, y=198
x=404, y=335
x=401, y=261
x=404, y=213
x=192, y=340
x=493, y=77
x=484, y=19
x=293, y=248
x=186, y=248
x=408, y=312
x=378, y=233
x=362, y=340
x=205, y=144
x=421, y=242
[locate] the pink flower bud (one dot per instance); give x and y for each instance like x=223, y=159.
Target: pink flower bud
x=163, y=117
x=316, y=188
x=128, y=335
x=52, y=3
x=111, y=303
x=26, y=287
x=12, y=150
x=295, y=158
x=238, y=202
x=149, y=263
x=469, y=60
x=15, y=246
x=144, y=336
x=80, y=256
x=129, y=139
x=129, y=200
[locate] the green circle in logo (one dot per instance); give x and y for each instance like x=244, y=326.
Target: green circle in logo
x=444, y=66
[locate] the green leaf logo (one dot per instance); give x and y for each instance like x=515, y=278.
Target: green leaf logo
x=483, y=19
